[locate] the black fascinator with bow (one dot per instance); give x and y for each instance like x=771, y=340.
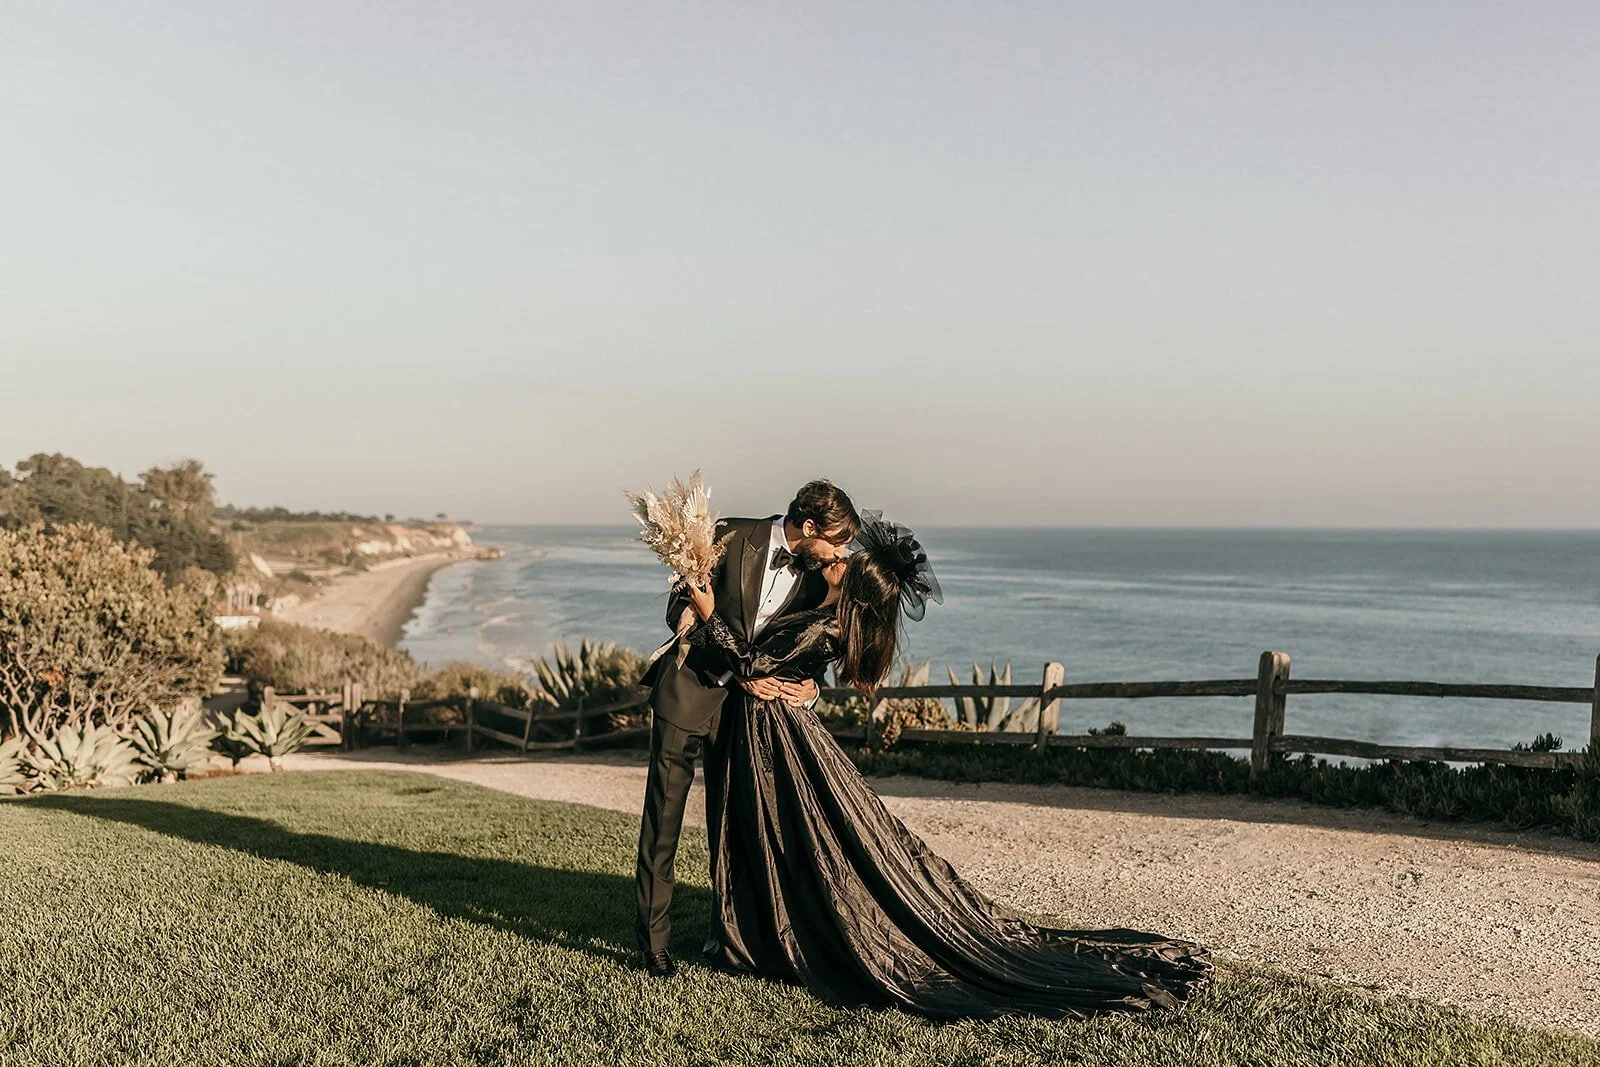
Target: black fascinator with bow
x=897, y=548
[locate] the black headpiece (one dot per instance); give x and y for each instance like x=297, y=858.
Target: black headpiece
x=896, y=547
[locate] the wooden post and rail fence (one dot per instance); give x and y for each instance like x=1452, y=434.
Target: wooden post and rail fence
x=343, y=718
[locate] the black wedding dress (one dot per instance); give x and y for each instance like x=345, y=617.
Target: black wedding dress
x=815, y=881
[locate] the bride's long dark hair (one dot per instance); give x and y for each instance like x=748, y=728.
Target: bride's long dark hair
x=869, y=621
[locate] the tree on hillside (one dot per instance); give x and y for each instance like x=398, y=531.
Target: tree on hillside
x=57, y=490
x=184, y=487
x=90, y=634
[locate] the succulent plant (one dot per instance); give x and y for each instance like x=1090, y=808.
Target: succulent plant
x=174, y=744
x=229, y=737
x=83, y=756
x=275, y=732
x=597, y=674
x=14, y=777
x=994, y=713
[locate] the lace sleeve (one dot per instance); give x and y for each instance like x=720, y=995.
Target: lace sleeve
x=715, y=637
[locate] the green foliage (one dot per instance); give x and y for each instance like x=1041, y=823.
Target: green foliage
x=458, y=677
x=274, y=732
x=994, y=713
x=442, y=923
x=87, y=755
x=244, y=517
x=14, y=767
x=229, y=736
x=174, y=744
x=599, y=673
x=57, y=491
x=185, y=487
x=912, y=713
x=302, y=659
x=1566, y=800
x=89, y=633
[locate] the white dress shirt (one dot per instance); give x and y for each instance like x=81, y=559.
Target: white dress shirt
x=776, y=585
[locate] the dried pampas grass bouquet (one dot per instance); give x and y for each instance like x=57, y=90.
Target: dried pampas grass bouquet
x=681, y=529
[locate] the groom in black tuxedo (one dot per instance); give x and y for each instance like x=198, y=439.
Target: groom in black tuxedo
x=773, y=566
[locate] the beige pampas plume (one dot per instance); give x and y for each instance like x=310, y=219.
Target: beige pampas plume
x=681, y=529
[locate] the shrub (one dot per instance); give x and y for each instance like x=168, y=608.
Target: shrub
x=458, y=677
x=89, y=633
x=1566, y=800
x=303, y=659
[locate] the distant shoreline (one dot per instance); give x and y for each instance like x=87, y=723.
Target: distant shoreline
x=375, y=603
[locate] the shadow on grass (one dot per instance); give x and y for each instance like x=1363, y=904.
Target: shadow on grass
x=585, y=910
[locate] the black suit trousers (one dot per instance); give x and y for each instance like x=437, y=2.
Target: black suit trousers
x=673, y=751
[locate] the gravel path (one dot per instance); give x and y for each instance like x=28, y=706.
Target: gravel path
x=1498, y=922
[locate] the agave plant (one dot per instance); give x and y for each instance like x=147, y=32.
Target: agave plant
x=994, y=713
x=174, y=744
x=274, y=732
x=596, y=674
x=83, y=756
x=14, y=776
x=229, y=737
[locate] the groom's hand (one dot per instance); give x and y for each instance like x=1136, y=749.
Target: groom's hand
x=763, y=688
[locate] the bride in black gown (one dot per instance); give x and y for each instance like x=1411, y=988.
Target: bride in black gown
x=815, y=881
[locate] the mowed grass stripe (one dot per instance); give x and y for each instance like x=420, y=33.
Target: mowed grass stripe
x=380, y=917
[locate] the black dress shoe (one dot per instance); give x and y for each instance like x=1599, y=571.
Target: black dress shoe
x=659, y=964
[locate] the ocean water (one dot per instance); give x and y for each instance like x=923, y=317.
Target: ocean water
x=1135, y=604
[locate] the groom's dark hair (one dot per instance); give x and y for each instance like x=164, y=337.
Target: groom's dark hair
x=829, y=507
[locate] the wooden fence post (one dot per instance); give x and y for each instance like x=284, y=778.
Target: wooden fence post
x=527, y=731
x=347, y=720
x=268, y=698
x=472, y=702
x=1049, y=707
x=359, y=730
x=1594, y=714
x=400, y=719
x=577, y=726
x=1270, y=704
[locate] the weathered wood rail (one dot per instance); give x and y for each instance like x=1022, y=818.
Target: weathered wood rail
x=351, y=720
x=1270, y=688
x=346, y=718
x=544, y=722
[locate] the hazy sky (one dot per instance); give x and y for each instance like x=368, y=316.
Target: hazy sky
x=1164, y=263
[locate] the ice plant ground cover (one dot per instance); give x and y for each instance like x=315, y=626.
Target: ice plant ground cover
x=383, y=917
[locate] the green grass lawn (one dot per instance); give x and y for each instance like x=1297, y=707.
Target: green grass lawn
x=398, y=918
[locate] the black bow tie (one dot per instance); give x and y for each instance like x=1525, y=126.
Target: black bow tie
x=782, y=558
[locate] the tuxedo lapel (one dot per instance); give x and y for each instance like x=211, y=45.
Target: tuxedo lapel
x=751, y=573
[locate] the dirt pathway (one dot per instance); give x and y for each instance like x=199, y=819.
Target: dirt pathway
x=1498, y=922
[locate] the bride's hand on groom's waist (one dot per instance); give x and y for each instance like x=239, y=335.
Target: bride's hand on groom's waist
x=762, y=688
x=798, y=692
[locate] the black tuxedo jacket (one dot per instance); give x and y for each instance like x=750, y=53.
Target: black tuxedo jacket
x=689, y=696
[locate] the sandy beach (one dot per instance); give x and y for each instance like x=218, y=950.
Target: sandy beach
x=374, y=603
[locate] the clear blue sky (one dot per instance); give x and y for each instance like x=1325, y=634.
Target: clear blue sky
x=1162, y=263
